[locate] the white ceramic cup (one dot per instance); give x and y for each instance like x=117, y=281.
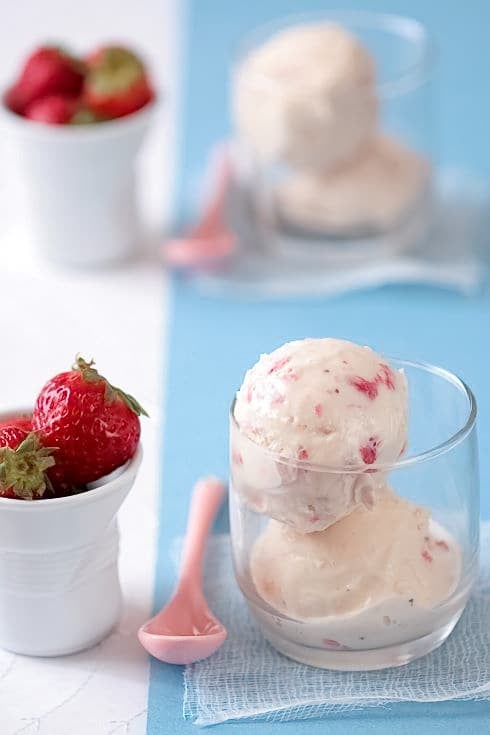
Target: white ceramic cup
x=76, y=186
x=59, y=581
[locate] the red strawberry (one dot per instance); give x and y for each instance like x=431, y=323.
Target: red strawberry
x=49, y=70
x=20, y=421
x=94, y=425
x=15, y=100
x=116, y=83
x=23, y=463
x=54, y=109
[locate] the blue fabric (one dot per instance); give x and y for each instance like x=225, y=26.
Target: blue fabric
x=212, y=341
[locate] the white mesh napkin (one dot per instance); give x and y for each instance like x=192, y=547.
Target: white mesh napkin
x=247, y=678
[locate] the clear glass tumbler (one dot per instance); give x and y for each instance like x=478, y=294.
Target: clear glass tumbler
x=379, y=587
x=375, y=200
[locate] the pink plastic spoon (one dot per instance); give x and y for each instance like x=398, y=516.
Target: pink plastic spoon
x=210, y=240
x=185, y=630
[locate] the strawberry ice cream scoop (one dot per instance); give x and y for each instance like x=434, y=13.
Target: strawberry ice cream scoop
x=380, y=575
x=307, y=96
x=315, y=422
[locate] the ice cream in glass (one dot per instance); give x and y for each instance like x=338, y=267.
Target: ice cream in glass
x=331, y=120
x=333, y=559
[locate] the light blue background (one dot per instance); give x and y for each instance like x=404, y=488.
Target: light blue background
x=211, y=342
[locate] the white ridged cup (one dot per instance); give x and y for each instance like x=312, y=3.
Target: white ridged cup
x=76, y=186
x=59, y=582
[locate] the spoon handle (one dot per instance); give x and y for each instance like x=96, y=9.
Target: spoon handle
x=207, y=497
x=213, y=208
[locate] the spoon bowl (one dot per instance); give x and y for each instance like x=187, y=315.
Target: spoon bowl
x=181, y=635
x=193, y=252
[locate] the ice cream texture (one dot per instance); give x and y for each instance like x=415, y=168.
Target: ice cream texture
x=328, y=413
x=365, y=560
x=327, y=401
x=374, y=190
x=307, y=96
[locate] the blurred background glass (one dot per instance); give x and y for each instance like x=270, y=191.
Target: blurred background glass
x=307, y=208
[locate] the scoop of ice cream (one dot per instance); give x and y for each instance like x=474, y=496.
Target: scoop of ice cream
x=365, y=560
x=307, y=499
x=313, y=421
x=325, y=401
x=371, y=192
x=306, y=96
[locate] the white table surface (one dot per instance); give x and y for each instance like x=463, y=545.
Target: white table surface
x=118, y=317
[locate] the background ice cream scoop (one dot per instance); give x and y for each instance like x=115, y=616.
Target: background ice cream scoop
x=307, y=96
x=322, y=402
x=373, y=191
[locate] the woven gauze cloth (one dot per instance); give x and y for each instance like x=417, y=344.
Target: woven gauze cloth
x=248, y=679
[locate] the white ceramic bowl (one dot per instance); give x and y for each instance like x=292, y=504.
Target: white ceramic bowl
x=59, y=582
x=77, y=185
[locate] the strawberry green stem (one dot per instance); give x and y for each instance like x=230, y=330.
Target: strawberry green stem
x=24, y=469
x=91, y=375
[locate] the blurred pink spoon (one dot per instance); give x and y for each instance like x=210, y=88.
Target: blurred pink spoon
x=185, y=630
x=211, y=239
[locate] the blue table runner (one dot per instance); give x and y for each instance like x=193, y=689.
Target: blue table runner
x=212, y=341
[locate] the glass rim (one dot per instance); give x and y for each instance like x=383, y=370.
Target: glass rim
x=429, y=454
x=411, y=77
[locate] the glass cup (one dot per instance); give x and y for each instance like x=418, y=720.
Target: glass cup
x=376, y=198
x=380, y=587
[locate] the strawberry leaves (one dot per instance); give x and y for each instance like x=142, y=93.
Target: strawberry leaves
x=23, y=469
x=91, y=375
